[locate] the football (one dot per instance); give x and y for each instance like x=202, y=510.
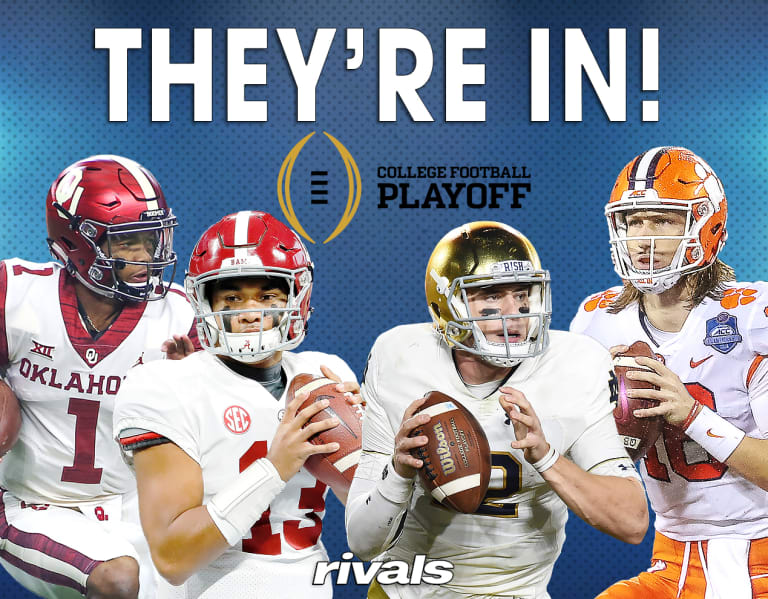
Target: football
x=457, y=457
x=10, y=418
x=338, y=468
x=638, y=434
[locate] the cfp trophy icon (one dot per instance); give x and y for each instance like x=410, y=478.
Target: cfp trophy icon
x=354, y=187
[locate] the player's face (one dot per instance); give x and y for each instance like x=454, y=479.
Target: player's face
x=250, y=294
x=497, y=300
x=654, y=223
x=132, y=247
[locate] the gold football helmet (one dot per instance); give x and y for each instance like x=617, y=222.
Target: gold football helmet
x=485, y=254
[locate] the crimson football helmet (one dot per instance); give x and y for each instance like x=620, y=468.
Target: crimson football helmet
x=668, y=178
x=95, y=202
x=250, y=244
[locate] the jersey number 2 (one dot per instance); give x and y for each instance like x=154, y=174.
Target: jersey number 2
x=512, y=480
x=263, y=540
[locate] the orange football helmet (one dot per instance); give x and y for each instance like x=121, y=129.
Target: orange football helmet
x=668, y=178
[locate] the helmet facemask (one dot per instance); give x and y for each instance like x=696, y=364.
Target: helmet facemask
x=689, y=255
x=214, y=327
x=104, y=272
x=464, y=331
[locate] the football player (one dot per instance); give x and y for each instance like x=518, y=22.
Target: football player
x=543, y=400
x=68, y=334
x=226, y=506
x=667, y=223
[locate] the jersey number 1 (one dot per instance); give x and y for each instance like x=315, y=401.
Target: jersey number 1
x=82, y=470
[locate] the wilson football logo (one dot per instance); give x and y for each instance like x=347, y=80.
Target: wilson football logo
x=318, y=185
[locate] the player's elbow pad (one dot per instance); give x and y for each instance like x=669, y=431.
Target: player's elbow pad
x=236, y=507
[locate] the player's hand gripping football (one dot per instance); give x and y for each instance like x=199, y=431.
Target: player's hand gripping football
x=405, y=464
x=177, y=347
x=290, y=446
x=350, y=389
x=675, y=403
x=618, y=349
x=529, y=436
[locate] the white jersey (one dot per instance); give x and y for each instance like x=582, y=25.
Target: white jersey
x=718, y=356
x=225, y=421
x=66, y=382
x=510, y=544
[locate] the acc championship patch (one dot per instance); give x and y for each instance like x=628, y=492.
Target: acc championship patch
x=722, y=333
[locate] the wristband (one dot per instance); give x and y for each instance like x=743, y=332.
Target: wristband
x=691, y=415
x=715, y=434
x=237, y=506
x=393, y=487
x=547, y=461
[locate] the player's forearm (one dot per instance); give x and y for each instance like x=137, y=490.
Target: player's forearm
x=613, y=505
x=189, y=543
x=371, y=522
x=728, y=444
x=186, y=537
x=750, y=460
x=375, y=510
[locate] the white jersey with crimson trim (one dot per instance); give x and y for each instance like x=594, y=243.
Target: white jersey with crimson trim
x=225, y=421
x=511, y=542
x=66, y=381
x=718, y=355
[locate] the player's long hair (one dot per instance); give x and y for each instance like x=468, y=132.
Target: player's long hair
x=709, y=282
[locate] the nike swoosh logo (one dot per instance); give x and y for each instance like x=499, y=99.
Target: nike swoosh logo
x=711, y=434
x=695, y=363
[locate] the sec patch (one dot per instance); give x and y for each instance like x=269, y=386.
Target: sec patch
x=237, y=419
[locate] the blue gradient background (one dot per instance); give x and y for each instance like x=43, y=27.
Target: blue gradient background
x=712, y=99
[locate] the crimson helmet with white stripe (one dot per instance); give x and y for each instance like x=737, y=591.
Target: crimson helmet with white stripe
x=668, y=178
x=94, y=202
x=250, y=244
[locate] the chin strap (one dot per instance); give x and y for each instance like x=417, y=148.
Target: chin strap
x=662, y=283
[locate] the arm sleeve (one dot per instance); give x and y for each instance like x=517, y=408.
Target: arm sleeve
x=376, y=506
x=378, y=497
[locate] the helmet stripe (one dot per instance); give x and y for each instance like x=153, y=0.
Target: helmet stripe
x=241, y=233
x=137, y=173
x=644, y=168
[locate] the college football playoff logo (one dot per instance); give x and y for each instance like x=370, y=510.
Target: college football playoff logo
x=320, y=180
